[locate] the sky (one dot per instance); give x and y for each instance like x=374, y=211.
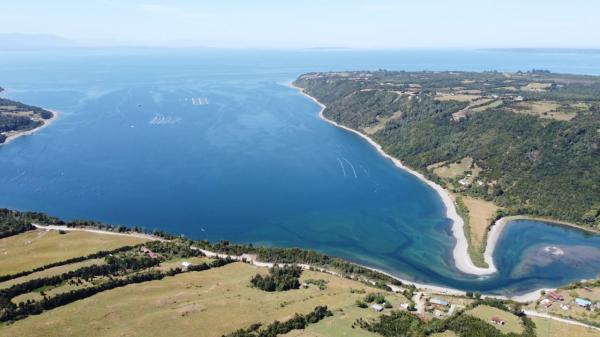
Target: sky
x=378, y=24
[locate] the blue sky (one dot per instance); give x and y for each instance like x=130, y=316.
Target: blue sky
x=312, y=23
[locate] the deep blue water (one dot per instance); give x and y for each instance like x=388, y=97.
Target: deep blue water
x=212, y=144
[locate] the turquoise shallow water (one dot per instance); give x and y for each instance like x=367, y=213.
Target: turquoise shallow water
x=212, y=144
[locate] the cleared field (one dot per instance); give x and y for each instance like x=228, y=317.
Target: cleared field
x=339, y=325
x=484, y=312
x=37, y=248
x=50, y=291
x=480, y=214
x=544, y=109
x=536, y=86
x=490, y=105
x=381, y=123
x=208, y=303
x=545, y=327
x=51, y=272
x=460, y=98
x=454, y=170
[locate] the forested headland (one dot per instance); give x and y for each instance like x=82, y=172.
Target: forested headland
x=531, y=140
x=16, y=117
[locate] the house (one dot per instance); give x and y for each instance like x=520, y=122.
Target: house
x=582, y=302
x=564, y=307
x=497, y=320
x=150, y=253
x=377, y=307
x=556, y=296
x=250, y=258
x=438, y=302
x=186, y=264
x=546, y=302
x=464, y=182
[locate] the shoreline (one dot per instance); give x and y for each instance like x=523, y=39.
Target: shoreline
x=460, y=252
x=495, y=231
x=442, y=290
x=46, y=123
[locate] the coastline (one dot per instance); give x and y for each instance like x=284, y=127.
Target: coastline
x=498, y=227
x=460, y=252
x=46, y=123
x=527, y=297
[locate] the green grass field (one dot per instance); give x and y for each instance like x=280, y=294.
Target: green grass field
x=51, y=272
x=512, y=322
x=545, y=327
x=37, y=248
x=209, y=303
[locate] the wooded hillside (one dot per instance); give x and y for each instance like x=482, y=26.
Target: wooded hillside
x=534, y=137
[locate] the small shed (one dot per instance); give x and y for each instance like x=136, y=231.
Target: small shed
x=377, y=307
x=186, y=264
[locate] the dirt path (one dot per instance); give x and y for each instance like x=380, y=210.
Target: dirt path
x=98, y=231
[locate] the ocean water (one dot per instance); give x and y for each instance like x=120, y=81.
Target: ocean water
x=214, y=145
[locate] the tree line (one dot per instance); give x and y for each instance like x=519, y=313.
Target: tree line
x=298, y=322
x=279, y=279
x=10, y=312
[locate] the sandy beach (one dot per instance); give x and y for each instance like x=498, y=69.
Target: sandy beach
x=47, y=123
x=460, y=252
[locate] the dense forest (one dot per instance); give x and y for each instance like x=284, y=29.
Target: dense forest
x=535, y=135
x=16, y=116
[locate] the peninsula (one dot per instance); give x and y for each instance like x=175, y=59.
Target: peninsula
x=491, y=144
x=18, y=119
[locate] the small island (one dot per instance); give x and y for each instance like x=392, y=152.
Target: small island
x=18, y=119
x=502, y=144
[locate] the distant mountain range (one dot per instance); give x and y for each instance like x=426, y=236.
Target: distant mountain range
x=18, y=41
x=549, y=50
